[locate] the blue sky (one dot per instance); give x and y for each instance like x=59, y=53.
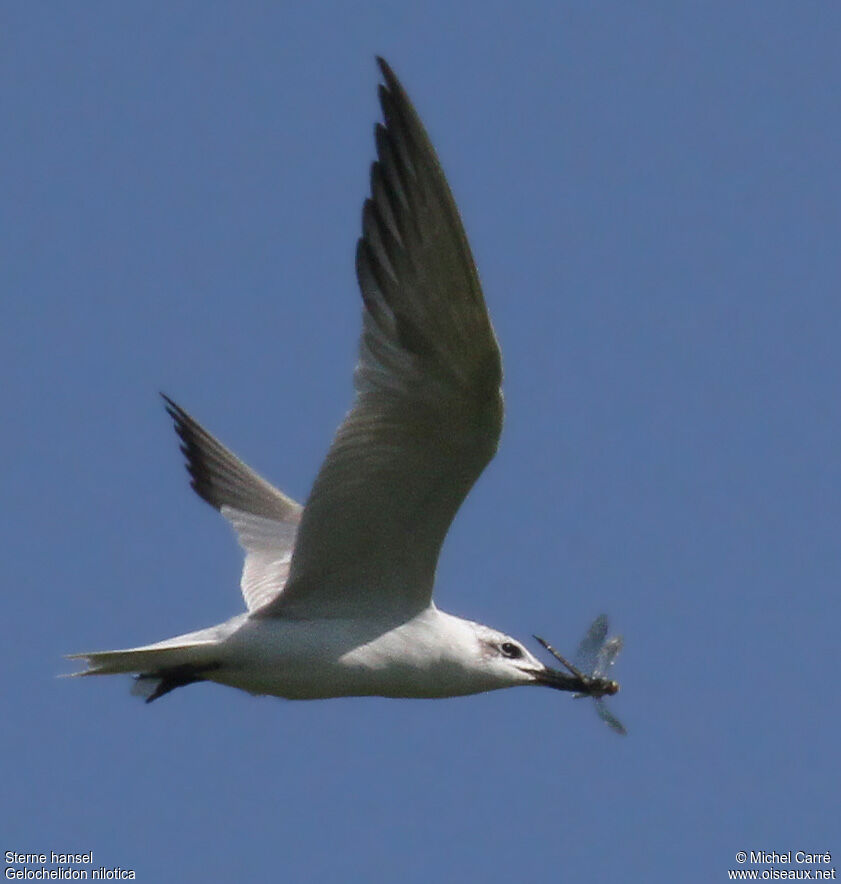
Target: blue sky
x=652, y=194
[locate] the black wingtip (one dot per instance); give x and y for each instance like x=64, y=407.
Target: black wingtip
x=187, y=431
x=172, y=407
x=180, y=417
x=391, y=81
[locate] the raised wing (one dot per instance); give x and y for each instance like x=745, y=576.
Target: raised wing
x=607, y=655
x=587, y=654
x=428, y=408
x=265, y=519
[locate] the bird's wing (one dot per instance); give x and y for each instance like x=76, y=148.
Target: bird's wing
x=428, y=408
x=265, y=519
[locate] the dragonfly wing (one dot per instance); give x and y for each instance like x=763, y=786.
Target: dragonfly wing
x=586, y=657
x=609, y=718
x=607, y=654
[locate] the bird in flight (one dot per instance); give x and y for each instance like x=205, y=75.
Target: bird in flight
x=339, y=592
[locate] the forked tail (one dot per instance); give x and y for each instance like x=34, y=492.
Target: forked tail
x=158, y=669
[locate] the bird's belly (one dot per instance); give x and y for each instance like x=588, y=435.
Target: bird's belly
x=308, y=660
x=318, y=682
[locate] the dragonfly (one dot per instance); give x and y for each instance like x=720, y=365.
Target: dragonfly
x=595, y=655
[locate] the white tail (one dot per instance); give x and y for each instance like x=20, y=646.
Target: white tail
x=160, y=667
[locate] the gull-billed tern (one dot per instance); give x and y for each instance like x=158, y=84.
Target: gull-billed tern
x=339, y=592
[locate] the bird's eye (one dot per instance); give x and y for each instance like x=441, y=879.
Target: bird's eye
x=509, y=649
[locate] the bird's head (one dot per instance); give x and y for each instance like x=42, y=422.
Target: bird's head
x=512, y=664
